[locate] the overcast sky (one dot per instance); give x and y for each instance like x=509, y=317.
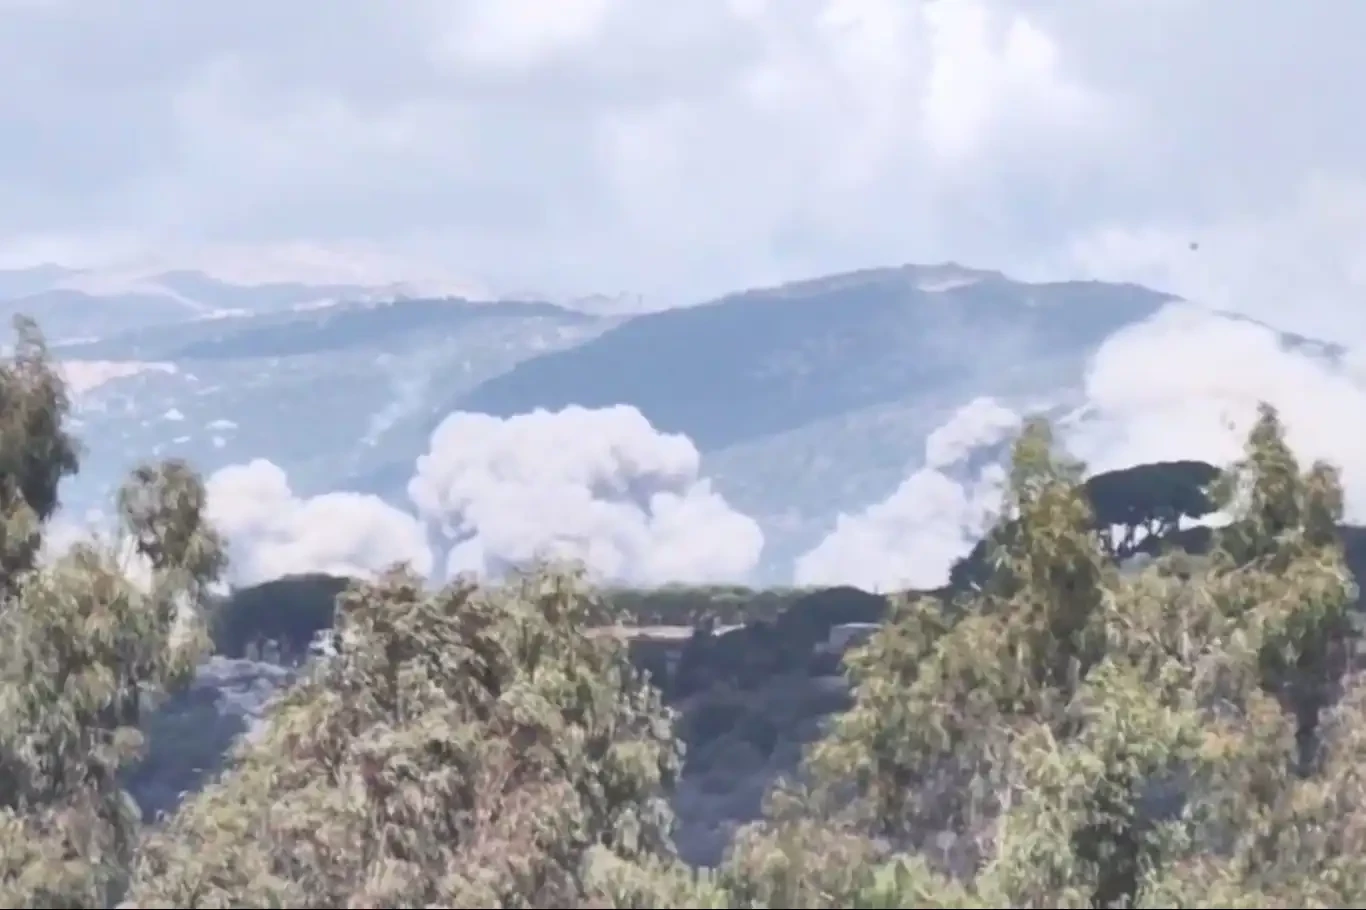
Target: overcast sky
x=680, y=149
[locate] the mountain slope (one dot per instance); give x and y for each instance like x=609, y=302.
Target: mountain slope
x=814, y=398
x=327, y=394
x=80, y=304
x=766, y=362
x=806, y=401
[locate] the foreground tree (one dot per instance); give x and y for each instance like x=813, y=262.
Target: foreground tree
x=36, y=452
x=1060, y=735
x=82, y=646
x=469, y=747
x=1070, y=736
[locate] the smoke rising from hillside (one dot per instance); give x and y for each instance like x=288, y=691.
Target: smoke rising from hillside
x=599, y=485
x=602, y=486
x=1183, y=384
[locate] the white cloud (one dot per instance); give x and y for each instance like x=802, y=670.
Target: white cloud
x=990, y=76
x=272, y=532
x=982, y=422
x=521, y=34
x=908, y=540
x=1300, y=267
x=97, y=529
x=599, y=485
x=682, y=149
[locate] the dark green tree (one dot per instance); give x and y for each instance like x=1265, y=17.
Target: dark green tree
x=1134, y=510
x=1144, y=504
x=36, y=451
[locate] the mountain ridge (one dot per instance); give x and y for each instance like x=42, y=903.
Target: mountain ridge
x=805, y=401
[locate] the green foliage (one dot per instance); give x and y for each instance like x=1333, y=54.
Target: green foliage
x=162, y=507
x=83, y=647
x=1151, y=499
x=36, y=452
x=1136, y=509
x=797, y=858
x=1071, y=736
x=290, y=611
x=469, y=747
x=1058, y=733
x=941, y=697
x=695, y=605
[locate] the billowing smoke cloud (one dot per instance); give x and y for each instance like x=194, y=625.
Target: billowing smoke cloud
x=1186, y=383
x=1183, y=384
x=272, y=532
x=935, y=516
x=603, y=486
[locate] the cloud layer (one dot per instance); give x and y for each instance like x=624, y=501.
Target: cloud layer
x=599, y=485
x=605, y=487
x=679, y=149
x=910, y=539
x=1186, y=384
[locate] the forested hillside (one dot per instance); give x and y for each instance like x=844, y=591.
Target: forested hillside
x=1064, y=725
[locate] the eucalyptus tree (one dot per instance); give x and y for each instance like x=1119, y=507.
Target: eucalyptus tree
x=86, y=639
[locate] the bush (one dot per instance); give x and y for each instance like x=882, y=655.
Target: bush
x=694, y=605
x=289, y=611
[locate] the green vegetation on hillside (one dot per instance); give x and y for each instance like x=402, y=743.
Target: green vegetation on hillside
x=692, y=605
x=291, y=611
x=1055, y=733
x=288, y=611
x=1136, y=510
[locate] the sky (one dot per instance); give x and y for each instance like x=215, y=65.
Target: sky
x=680, y=150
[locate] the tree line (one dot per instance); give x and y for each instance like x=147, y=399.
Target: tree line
x=1057, y=733
x=1136, y=510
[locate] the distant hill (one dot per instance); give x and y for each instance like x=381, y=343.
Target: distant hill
x=806, y=400
x=78, y=304
x=332, y=394
x=767, y=361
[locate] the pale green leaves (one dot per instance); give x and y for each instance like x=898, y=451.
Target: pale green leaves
x=1072, y=736
x=82, y=647
x=467, y=747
